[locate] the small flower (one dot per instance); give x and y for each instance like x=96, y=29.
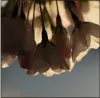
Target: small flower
x=84, y=37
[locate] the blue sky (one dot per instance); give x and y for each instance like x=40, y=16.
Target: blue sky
x=83, y=81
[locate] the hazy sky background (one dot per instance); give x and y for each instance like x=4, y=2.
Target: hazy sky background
x=83, y=81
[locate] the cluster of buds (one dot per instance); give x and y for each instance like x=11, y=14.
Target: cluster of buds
x=40, y=35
